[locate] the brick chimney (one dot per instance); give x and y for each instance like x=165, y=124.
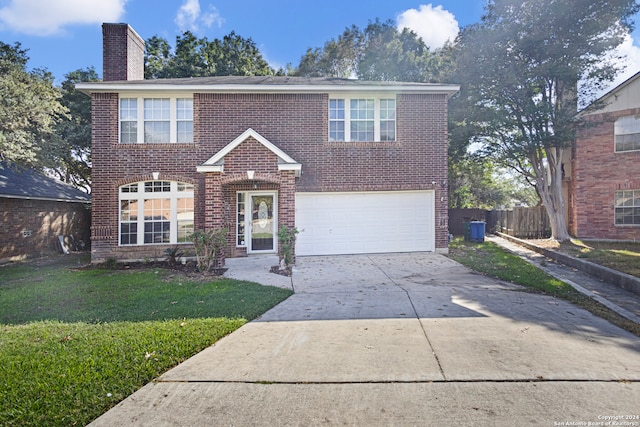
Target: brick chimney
x=122, y=53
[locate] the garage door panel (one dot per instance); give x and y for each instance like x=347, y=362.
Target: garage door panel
x=365, y=222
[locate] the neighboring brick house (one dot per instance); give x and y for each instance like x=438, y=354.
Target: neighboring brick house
x=35, y=210
x=604, y=196
x=357, y=166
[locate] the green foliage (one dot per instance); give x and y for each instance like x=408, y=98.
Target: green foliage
x=287, y=238
x=520, y=68
x=378, y=52
x=70, y=156
x=75, y=342
x=477, y=182
x=209, y=246
x=29, y=108
x=172, y=254
x=232, y=55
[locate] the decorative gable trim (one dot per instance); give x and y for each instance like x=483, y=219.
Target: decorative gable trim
x=216, y=163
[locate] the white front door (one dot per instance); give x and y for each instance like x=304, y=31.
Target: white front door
x=262, y=222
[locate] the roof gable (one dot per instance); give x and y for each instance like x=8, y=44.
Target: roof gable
x=216, y=162
x=622, y=97
x=29, y=184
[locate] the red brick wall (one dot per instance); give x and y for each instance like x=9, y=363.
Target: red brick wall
x=123, y=53
x=598, y=172
x=31, y=227
x=295, y=123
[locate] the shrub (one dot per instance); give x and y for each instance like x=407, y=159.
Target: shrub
x=209, y=246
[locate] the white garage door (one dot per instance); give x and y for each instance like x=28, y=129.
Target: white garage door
x=365, y=222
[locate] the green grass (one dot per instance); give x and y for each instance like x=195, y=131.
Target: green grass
x=492, y=260
x=621, y=256
x=74, y=342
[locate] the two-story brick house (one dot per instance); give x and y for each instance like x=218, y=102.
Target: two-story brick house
x=357, y=166
x=604, y=191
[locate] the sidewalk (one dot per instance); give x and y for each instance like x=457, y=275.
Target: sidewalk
x=625, y=303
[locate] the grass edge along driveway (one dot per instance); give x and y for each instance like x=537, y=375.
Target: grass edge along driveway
x=75, y=342
x=490, y=259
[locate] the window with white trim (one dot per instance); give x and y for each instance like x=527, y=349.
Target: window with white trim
x=627, y=207
x=156, y=120
x=362, y=119
x=627, y=134
x=156, y=212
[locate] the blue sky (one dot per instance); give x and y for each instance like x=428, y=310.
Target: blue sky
x=64, y=35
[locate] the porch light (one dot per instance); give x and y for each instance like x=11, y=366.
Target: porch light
x=250, y=174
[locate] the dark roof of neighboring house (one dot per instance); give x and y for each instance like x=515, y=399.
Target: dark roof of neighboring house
x=25, y=183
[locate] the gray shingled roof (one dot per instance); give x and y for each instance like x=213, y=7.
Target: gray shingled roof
x=29, y=184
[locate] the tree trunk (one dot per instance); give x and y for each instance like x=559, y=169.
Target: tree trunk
x=552, y=197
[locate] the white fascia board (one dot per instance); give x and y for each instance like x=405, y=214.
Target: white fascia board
x=210, y=168
x=297, y=167
x=219, y=156
x=102, y=87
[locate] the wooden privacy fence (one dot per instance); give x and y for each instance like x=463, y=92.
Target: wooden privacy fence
x=525, y=223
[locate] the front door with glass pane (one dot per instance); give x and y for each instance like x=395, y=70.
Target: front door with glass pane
x=262, y=237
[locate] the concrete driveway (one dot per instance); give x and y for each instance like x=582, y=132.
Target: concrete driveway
x=401, y=339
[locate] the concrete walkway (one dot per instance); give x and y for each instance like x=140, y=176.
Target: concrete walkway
x=399, y=339
x=625, y=303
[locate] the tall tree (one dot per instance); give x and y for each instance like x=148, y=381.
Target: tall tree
x=232, y=55
x=29, y=108
x=477, y=182
x=378, y=52
x=520, y=68
x=70, y=156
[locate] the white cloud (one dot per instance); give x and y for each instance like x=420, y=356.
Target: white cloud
x=434, y=24
x=631, y=62
x=190, y=16
x=49, y=17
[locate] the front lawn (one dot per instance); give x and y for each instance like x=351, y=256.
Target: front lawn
x=621, y=256
x=492, y=260
x=74, y=342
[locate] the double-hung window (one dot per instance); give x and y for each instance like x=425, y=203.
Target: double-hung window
x=627, y=207
x=627, y=134
x=362, y=119
x=156, y=120
x=154, y=212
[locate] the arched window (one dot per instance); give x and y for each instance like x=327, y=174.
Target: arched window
x=156, y=212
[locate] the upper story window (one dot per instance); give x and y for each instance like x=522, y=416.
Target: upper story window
x=362, y=119
x=627, y=207
x=156, y=120
x=627, y=134
x=154, y=212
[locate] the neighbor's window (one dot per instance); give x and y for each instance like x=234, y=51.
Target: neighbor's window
x=156, y=120
x=154, y=212
x=627, y=134
x=362, y=119
x=627, y=207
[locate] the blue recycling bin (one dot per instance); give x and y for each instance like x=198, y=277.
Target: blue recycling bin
x=476, y=231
